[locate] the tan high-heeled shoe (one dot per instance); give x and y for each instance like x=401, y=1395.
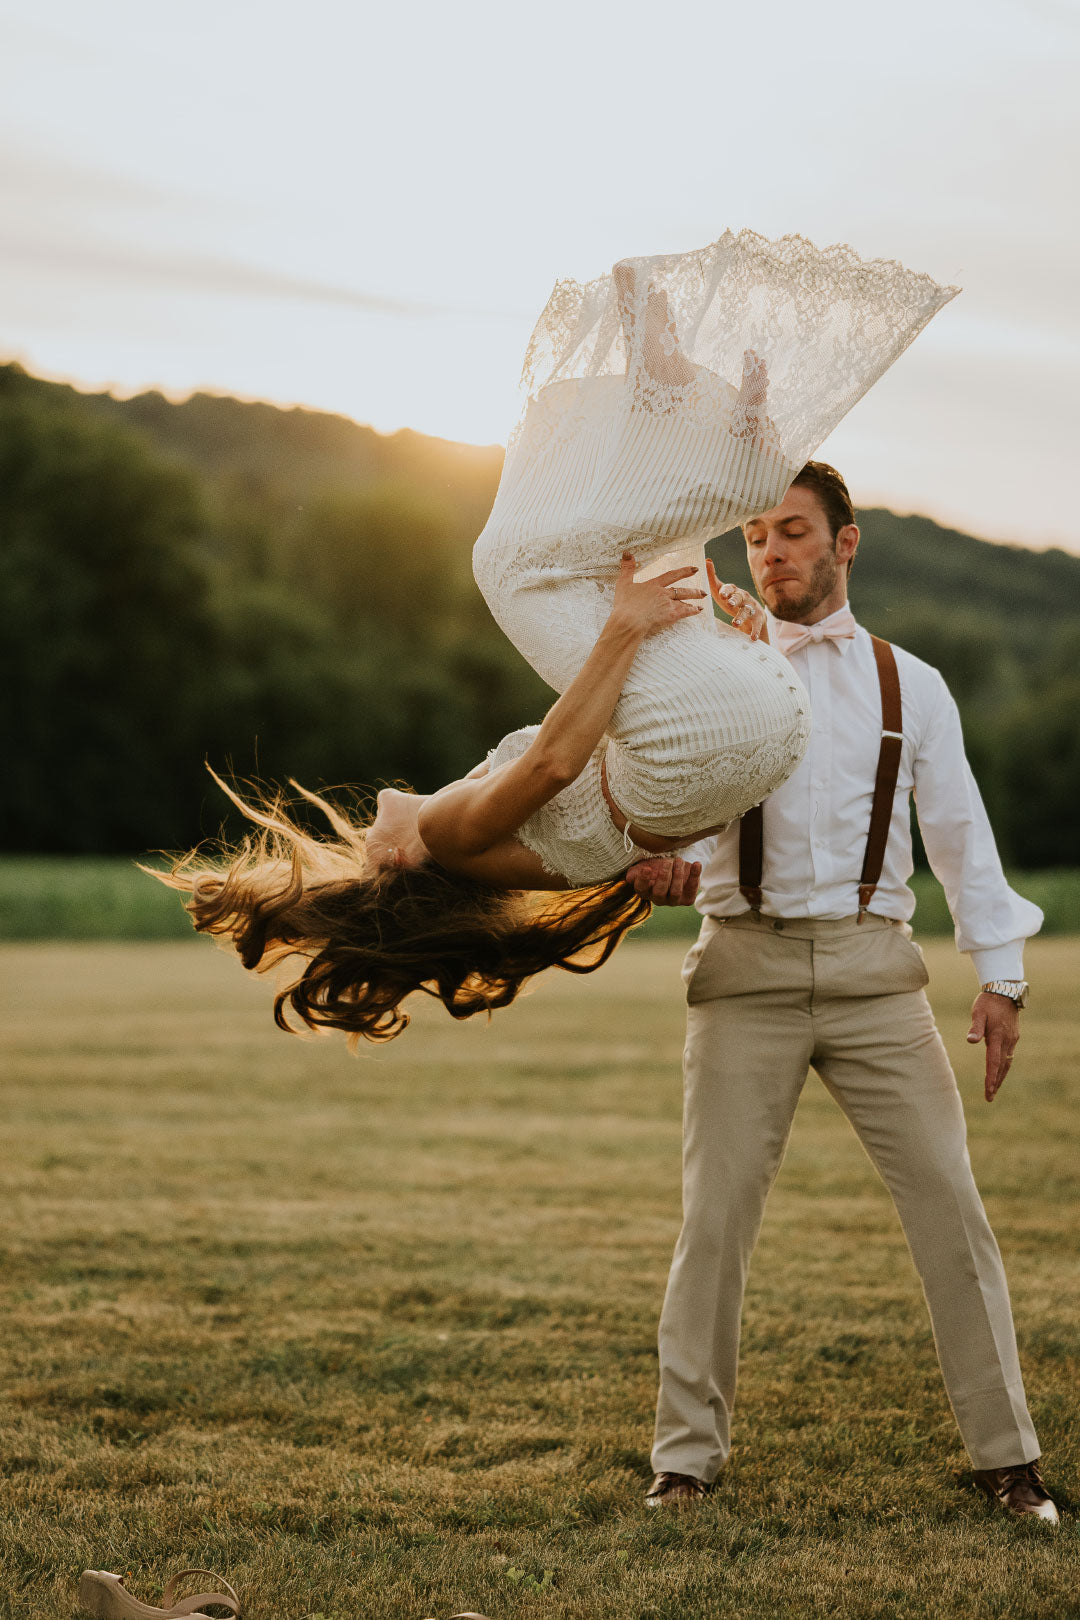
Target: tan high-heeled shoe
x=105, y=1597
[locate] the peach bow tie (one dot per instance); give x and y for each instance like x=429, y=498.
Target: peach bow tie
x=839, y=626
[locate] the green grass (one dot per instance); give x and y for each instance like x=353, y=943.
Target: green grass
x=85, y=897
x=376, y=1337
x=107, y=897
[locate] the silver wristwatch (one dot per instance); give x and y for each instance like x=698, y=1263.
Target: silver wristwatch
x=1015, y=989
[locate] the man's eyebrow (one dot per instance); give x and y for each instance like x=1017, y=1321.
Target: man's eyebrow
x=796, y=517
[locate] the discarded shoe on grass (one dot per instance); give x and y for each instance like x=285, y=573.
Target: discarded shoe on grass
x=105, y=1597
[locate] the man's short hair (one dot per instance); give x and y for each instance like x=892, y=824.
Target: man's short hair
x=830, y=490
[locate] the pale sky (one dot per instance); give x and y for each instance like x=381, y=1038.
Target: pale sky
x=362, y=207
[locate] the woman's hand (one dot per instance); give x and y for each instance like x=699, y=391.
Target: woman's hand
x=745, y=613
x=644, y=606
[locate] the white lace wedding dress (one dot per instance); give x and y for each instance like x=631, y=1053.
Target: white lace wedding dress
x=667, y=402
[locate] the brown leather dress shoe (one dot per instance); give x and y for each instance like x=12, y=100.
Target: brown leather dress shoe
x=673, y=1490
x=1018, y=1489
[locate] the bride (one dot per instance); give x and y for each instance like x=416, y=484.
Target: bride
x=665, y=403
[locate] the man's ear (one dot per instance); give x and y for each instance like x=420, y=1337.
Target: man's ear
x=847, y=543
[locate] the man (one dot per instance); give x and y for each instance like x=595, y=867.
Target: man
x=797, y=966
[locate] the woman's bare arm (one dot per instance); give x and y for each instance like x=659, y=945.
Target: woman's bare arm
x=471, y=816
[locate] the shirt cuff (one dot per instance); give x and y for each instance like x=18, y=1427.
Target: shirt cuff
x=999, y=961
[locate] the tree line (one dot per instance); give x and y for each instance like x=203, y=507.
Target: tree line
x=286, y=594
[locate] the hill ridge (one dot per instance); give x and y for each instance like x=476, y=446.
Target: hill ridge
x=180, y=427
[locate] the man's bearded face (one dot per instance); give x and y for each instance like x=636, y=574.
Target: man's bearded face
x=792, y=556
x=822, y=582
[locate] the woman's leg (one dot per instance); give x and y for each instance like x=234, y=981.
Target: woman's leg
x=647, y=308
x=648, y=462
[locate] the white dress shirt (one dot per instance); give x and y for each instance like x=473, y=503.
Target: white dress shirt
x=815, y=825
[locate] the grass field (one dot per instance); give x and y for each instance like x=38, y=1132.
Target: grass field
x=376, y=1338
x=107, y=897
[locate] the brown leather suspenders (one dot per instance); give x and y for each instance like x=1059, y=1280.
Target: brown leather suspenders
x=751, y=857
x=751, y=843
x=888, y=768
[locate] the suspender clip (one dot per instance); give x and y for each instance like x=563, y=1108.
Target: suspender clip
x=751, y=893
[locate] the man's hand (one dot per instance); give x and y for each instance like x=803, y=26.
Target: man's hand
x=996, y=1020
x=745, y=613
x=665, y=880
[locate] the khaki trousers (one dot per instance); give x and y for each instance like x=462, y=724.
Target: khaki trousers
x=767, y=999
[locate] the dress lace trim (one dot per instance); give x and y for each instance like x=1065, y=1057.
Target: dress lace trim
x=814, y=326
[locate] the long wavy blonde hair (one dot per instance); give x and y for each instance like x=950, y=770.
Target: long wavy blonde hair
x=363, y=942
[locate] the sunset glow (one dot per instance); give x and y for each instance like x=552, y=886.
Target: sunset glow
x=363, y=209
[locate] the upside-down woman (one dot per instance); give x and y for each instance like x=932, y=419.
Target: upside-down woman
x=666, y=402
